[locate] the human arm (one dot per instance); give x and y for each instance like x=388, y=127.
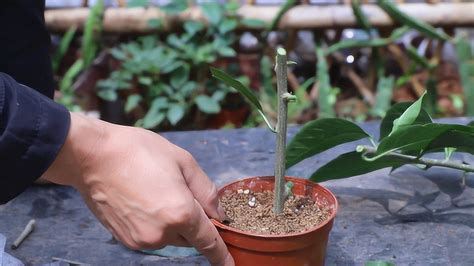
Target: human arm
x=145, y=190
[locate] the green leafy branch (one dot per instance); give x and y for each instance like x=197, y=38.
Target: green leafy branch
x=407, y=134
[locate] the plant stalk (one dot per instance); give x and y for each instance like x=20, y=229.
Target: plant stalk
x=283, y=98
x=425, y=161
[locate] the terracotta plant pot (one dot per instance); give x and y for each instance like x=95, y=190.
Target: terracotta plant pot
x=306, y=248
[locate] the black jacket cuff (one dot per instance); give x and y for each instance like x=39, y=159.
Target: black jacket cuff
x=33, y=129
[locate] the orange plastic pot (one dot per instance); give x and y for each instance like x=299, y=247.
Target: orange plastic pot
x=305, y=248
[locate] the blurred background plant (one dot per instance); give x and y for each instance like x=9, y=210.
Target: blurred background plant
x=159, y=78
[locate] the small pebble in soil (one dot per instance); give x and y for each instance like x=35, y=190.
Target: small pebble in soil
x=252, y=201
x=253, y=211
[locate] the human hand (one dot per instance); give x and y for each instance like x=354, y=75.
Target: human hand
x=148, y=192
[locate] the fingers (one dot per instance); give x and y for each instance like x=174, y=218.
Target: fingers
x=204, y=191
x=204, y=237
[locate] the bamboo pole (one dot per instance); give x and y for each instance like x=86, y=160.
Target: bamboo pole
x=135, y=20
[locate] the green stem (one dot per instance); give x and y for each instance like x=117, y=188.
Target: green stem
x=424, y=161
x=282, y=86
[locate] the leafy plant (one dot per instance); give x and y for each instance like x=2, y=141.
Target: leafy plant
x=466, y=70
x=164, y=78
x=416, y=62
x=407, y=134
x=89, y=48
x=281, y=188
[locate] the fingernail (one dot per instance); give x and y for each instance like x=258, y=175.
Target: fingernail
x=221, y=213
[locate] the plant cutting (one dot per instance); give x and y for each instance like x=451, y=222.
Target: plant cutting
x=276, y=220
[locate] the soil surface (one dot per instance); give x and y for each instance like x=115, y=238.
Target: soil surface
x=253, y=212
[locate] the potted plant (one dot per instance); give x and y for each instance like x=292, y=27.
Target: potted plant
x=277, y=220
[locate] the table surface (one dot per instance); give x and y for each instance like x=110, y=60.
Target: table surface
x=409, y=217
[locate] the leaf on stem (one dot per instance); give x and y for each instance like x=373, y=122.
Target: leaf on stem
x=416, y=139
x=319, y=135
x=396, y=111
x=352, y=164
x=395, y=13
x=360, y=16
x=462, y=141
x=244, y=90
x=409, y=116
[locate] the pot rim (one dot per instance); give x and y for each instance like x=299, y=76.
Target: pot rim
x=292, y=178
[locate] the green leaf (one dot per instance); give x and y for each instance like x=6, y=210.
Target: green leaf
x=70, y=75
x=395, y=13
x=207, y=105
x=155, y=115
x=281, y=12
x=63, y=47
x=253, y=23
x=227, y=52
x=92, y=29
x=108, y=95
x=219, y=95
x=352, y=164
x=132, y=102
x=431, y=99
x=155, y=23
x=175, y=113
x=229, y=81
x=171, y=67
x=266, y=75
x=462, y=141
x=175, y=7
x=360, y=16
x=326, y=99
x=188, y=88
x=319, y=135
x=137, y=3
x=213, y=12
x=180, y=76
x=448, y=152
x=376, y=42
x=457, y=101
x=409, y=116
x=383, y=98
x=415, y=139
x=174, y=41
x=227, y=25
x=396, y=111
x=466, y=63
x=118, y=54
x=147, y=81
x=192, y=27
x=379, y=263
x=417, y=58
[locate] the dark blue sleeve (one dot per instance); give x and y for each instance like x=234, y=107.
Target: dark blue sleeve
x=33, y=129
